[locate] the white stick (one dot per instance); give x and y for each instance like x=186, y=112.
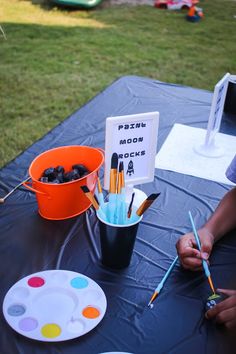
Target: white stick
x=2, y=200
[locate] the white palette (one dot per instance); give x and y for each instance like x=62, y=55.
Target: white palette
x=54, y=305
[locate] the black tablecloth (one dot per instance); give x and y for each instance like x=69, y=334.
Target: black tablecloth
x=29, y=243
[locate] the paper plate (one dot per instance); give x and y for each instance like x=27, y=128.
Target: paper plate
x=54, y=305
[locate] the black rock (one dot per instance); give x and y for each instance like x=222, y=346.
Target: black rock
x=75, y=174
x=68, y=176
x=55, y=181
x=60, y=169
x=81, y=169
x=60, y=177
x=50, y=173
x=43, y=179
x=85, y=174
x=214, y=300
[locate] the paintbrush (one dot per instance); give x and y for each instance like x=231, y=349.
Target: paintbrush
x=111, y=207
x=118, y=198
x=94, y=202
x=160, y=285
x=100, y=194
x=147, y=203
x=121, y=206
x=123, y=194
x=2, y=200
x=204, y=262
x=130, y=206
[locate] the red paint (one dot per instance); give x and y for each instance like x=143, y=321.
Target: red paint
x=36, y=282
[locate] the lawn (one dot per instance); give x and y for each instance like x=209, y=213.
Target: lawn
x=53, y=61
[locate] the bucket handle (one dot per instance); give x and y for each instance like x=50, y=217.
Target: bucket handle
x=28, y=185
x=102, y=150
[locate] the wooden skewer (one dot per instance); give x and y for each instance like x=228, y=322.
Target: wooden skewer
x=2, y=200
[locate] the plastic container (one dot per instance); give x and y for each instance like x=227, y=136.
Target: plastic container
x=65, y=200
x=117, y=241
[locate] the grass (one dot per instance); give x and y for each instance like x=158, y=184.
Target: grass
x=54, y=60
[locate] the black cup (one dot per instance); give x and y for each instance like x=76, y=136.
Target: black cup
x=117, y=243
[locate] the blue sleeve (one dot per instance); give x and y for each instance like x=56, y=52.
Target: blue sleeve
x=231, y=171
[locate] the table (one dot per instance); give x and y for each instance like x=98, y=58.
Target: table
x=29, y=243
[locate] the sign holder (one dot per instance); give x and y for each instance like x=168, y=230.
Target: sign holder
x=134, y=139
x=210, y=148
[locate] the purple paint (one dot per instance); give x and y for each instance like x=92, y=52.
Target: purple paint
x=28, y=324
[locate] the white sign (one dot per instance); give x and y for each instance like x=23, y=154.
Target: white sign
x=217, y=107
x=209, y=148
x=134, y=139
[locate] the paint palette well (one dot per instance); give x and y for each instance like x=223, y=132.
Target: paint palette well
x=54, y=305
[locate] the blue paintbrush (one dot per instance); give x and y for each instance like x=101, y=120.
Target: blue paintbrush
x=100, y=194
x=94, y=202
x=204, y=262
x=111, y=207
x=160, y=285
x=121, y=205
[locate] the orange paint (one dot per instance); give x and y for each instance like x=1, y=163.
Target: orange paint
x=90, y=312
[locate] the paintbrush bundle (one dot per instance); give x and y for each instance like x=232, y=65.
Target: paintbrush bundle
x=116, y=210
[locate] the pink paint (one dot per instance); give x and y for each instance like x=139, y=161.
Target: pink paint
x=36, y=282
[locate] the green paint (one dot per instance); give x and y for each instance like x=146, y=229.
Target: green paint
x=213, y=297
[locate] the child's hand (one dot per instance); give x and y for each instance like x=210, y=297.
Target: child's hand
x=225, y=311
x=190, y=257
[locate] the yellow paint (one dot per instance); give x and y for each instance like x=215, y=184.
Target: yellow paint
x=51, y=330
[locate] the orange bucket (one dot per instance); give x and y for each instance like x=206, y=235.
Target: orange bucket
x=65, y=200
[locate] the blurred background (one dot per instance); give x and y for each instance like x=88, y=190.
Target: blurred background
x=54, y=59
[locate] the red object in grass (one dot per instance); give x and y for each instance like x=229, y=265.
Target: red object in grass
x=175, y=4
